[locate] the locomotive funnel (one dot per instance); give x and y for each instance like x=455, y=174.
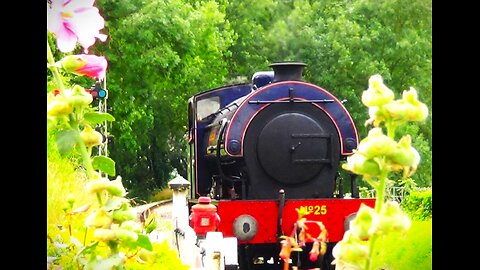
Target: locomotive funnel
x=287, y=71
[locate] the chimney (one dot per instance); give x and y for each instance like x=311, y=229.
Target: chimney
x=287, y=71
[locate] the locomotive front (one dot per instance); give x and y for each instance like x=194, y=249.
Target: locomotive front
x=264, y=149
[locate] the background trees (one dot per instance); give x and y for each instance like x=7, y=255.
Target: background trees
x=162, y=52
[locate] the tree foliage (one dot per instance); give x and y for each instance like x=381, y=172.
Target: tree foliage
x=160, y=53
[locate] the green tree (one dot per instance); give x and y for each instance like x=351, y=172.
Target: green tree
x=345, y=42
x=162, y=53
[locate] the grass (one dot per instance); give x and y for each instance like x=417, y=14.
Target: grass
x=63, y=181
x=405, y=252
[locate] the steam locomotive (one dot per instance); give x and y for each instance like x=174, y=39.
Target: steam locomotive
x=264, y=149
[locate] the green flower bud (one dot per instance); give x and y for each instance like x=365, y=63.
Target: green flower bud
x=404, y=154
x=104, y=234
x=78, y=97
x=376, y=144
x=397, y=110
x=359, y=164
x=377, y=116
x=124, y=215
x=126, y=235
x=377, y=93
x=351, y=251
x=58, y=106
x=362, y=223
x=131, y=225
x=91, y=137
x=99, y=219
x=72, y=62
x=408, y=108
x=418, y=110
x=94, y=186
x=116, y=188
x=391, y=218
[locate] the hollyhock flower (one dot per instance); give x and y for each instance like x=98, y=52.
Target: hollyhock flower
x=84, y=64
x=75, y=20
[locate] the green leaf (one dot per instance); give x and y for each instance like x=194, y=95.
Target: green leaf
x=66, y=140
x=115, y=203
x=88, y=249
x=94, y=118
x=104, y=164
x=144, y=242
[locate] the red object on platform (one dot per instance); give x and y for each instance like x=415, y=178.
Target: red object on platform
x=204, y=217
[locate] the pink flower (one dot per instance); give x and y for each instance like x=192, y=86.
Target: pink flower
x=85, y=64
x=75, y=20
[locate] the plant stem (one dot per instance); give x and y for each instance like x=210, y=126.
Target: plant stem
x=378, y=207
x=87, y=162
x=54, y=69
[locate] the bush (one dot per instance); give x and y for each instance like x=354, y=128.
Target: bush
x=418, y=204
x=161, y=195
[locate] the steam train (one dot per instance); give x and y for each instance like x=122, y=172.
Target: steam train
x=264, y=149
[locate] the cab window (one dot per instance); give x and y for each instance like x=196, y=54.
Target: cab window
x=207, y=106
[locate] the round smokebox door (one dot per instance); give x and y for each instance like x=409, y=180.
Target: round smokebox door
x=292, y=148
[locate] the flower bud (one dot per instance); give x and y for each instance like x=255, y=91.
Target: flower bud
x=377, y=116
x=404, y=154
x=116, y=188
x=351, y=251
x=99, y=219
x=362, y=223
x=85, y=64
x=59, y=106
x=377, y=93
x=376, y=144
x=391, y=218
x=131, y=225
x=418, y=111
x=121, y=215
x=126, y=235
x=104, y=234
x=78, y=97
x=91, y=137
x=359, y=164
x=94, y=186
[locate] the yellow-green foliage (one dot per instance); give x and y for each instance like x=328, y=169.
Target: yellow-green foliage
x=63, y=181
x=164, y=194
x=411, y=251
x=418, y=204
x=168, y=259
